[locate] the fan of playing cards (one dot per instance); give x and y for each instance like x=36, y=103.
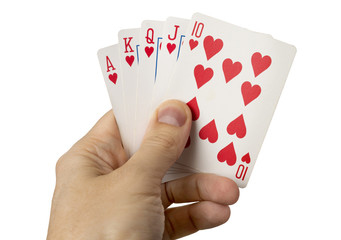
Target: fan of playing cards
x=229, y=76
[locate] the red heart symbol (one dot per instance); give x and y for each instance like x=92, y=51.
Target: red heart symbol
x=210, y=132
x=237, y=127
x=202, y=75
x=231, y=69
x=259, y=63
x=250, y=92
x=193, y=44
x=171, y=47
x=149, y=51
x=227, y=154
x=212, y=47
x=246, y=158
x=130, y=60
x=113, y=77
x=193, y=105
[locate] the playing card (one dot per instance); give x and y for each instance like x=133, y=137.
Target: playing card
x=172, y=39
x=128, y=41
x=150, y=40
x=232, y=79
x=172, y=176
x=110, y=65
x=149, y=61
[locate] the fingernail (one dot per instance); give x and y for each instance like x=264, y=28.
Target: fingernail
x=172, y=115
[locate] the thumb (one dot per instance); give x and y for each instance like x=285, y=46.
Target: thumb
x=164, y=140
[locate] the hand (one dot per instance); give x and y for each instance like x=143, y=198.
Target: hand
x=100, y=194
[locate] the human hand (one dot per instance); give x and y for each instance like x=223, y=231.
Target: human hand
x=100, y=194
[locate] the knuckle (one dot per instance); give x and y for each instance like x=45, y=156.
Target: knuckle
x=61, y=165
x=165, y=141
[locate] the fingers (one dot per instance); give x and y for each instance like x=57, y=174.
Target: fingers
x=99, y=152
x=200, y=187
x=106, y=128
x=104, y=144
x=164, y=140
x=183, y=221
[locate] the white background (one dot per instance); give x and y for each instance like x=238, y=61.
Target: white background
x=52, y=92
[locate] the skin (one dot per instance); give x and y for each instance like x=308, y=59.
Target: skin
x=100, y=194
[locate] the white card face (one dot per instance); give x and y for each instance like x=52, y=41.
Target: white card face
x=181, y=168
x=110, y=65
x=172, y=176
x=172, y=39
x=232, y=78
x=150, y=40
x=128, y=41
